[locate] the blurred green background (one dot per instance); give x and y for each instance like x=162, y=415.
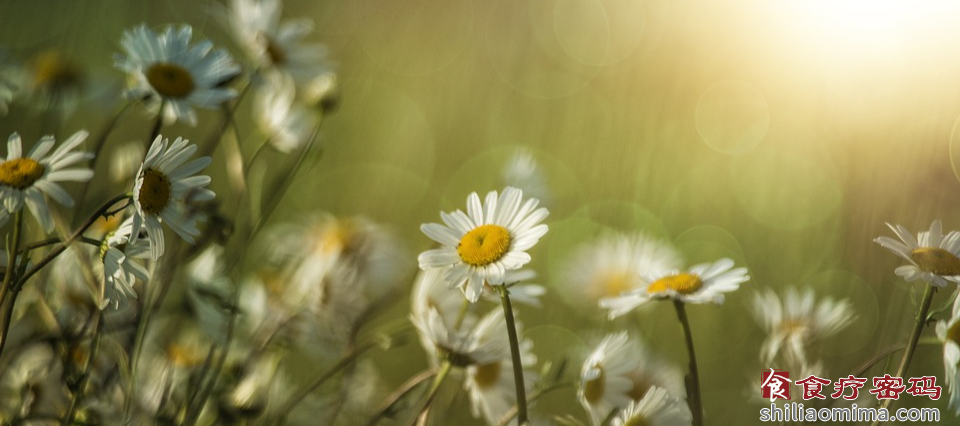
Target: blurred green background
x=781, y=134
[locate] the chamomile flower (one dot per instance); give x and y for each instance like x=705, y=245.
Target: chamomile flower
x=163, y=186
x=121, y=265
x=164, y=69
x=481, y=344
x=703, y=283
x=287, y=123
x=274, y=45
x=796, y=321
x=8, y=85
x=619, y=371
x=933, y=257
x=26, y=179
x=491, y=386
x=522, y=171
x=657, y=408
x=949, y=333
x=617, y=263
x=480, y=246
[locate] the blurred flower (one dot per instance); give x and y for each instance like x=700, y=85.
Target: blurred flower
x=120, y=265
x=657, y=408
x=8, y=85
x=249, y=398
x=484, y=343
x=29, y=377
x=274, y=45
x=523, y=172
x=487, y=241
x=949, y=333
x=25, y=180
x=491, y=386
x=210, y=293
x=617, y=263
x=165, y=70
x=287, y=123
x=52, y=78
x=160, y=192
x=703, y=283
x=797, y=321
x=933, y=258
x=124, y=161
x=322, y=93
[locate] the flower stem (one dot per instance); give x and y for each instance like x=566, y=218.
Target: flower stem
x=8, y=289
x=404, y=389
x=157, y=125
x=693, y=383
x=515, y=354
x=919, y=322
x=420, y=416
x=77, y=390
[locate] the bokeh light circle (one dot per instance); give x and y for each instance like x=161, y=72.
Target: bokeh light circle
x=732, y=117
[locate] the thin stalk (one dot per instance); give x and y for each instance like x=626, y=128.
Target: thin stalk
x=693, y=385
x=918, y=323
x=420, y=416
x=514, y=354
x=157, y=125
x=98, y=145
x=398, y=394
x=7, y=288
x=78, y=389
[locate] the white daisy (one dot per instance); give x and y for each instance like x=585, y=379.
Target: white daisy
x=25, y=180
x=481, y=344
x=275, y=45
x=488, y=240
x=491, y=386
x=933, y=257
x=703, y=283
x=164, y=184
x=797, y=321
x=617, y=263
x=657, y=408
x=949, y=333
x=166, y=70
x=121, y=267
x=52, y=79
x=8, y=85
x=287, y=123
x=619, y=371
x=522, y=171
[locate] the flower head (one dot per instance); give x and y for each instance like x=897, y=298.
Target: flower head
x=26, y=179
x=481, y=245
x=933, y=257
x=657, y=408
x=164, y=185
x=703, y=283
x=167, y=71
x=287, y=123
x=121, y=265
x=618, y=263
x=796, y=321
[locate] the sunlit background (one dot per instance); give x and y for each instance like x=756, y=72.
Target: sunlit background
x=782, y=134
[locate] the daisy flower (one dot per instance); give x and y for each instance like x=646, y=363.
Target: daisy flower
x=949, y=333
x=275, y=45
x=491, y=385
x=933, y=257
x=703, y=283
x=120, y=265
x=657, y=408
x=8, y=85
x=522, y=171
x=484, y=243
x=796, y=321
x=26, y=179
x=167, y=71
x=287, y=123
x=617, y=263
x=483, y=344
x=164, y=183
x=619, y=371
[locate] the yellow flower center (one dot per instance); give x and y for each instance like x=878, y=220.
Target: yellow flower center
x=793, y=326
x=336, y=238
x=636, y=420
x=155, y=191
x=614, y=284
x=20, y=173
x=487, y=375
x=51, y=69
x=484, y=245
x=936, y=260
x=593, y=390
x=681, y=283
x=183, y=356
x=953, y=333
x=170, y=80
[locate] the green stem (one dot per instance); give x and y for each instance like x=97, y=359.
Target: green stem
x=78, y=390
x=420, y=416
x=398, y=394
x=514, y=354
x=693, y=385
x=98, y=145
x=918, y=323
x=8, y=289
x=157, y=125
